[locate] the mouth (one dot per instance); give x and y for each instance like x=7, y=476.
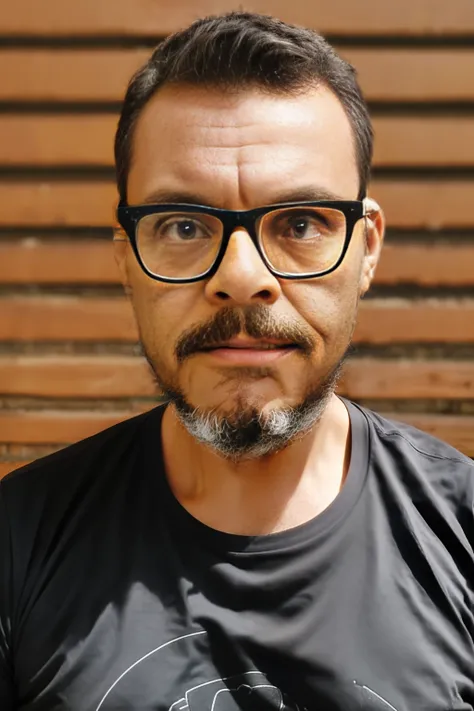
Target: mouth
x=252, y=344
x=250, y=351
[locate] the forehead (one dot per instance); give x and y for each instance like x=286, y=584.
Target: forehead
x=237, y=148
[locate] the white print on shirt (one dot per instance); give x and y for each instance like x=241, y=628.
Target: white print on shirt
x=146, y=656
x=245, y=691
x=250, y=690
x=366, y=695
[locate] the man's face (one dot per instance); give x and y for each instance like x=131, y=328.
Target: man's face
x=240, y=151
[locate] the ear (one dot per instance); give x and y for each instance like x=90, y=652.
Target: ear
x=375, y=231
x=121, y=253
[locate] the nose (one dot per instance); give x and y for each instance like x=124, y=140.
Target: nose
x=242, y=277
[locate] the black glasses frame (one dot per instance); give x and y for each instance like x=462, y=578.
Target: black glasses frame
x=129, y=216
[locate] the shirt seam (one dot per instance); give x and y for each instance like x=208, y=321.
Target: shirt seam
x=395, y=433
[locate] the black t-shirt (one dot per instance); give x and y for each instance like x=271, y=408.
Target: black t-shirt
x=113, y=597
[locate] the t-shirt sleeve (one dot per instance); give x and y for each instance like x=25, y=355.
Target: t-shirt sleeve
x=6, y=675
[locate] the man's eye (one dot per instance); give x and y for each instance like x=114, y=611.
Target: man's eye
x=304, y=227
x=181, y=230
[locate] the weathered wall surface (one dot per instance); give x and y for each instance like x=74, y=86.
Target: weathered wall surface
x=68, y=359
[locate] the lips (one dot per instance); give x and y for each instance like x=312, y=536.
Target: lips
x=251, y=344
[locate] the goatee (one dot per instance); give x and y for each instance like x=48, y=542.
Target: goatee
x=247, y=432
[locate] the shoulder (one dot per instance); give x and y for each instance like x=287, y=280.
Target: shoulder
x=425, y=467
x=415, y=442
x=105, y=451
x=54, y=504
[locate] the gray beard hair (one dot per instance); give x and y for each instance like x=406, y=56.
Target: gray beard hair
x=248, y=433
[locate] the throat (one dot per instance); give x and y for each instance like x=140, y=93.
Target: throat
x=260, y=496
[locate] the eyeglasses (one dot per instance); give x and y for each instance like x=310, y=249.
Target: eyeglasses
x=186, y=243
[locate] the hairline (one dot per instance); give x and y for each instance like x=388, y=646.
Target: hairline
x=239, y=88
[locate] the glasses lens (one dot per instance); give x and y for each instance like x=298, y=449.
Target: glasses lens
x=178, y=245
x=303, y=240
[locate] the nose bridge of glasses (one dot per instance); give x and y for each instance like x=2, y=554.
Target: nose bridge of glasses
x=240, y=267
x=235, y=220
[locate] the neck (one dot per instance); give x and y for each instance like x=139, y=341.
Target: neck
x=265, y=495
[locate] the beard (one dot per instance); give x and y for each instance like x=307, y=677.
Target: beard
x=247, y=431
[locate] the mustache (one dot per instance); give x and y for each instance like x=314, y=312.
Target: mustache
x=255, y=321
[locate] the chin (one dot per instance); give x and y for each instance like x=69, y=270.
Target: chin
x=243, y=428
x=248, y=417
x=226, y=395
x=242, y=408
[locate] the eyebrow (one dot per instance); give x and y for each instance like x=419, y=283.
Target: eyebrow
x=304, y=194
x=175, y=196
x=307, y=194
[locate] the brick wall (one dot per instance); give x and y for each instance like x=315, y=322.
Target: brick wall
x=68, y=359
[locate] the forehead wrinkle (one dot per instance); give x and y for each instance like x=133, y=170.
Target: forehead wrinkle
x=236, y=136
x=238, y=184
x=217, y=179
x=226, y=183
x=242, y=184
x=242, y=155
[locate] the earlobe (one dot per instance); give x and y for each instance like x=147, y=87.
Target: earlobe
x=375, y=231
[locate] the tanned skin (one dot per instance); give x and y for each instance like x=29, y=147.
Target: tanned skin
x=239, y=151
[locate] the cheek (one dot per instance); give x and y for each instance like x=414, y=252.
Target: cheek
x=329, y=305
x=344, y=284
x=162, y=312
x=151, y=317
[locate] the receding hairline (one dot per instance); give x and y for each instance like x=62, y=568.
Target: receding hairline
x=237, y=50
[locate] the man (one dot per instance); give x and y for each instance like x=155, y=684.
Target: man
x=257, y=543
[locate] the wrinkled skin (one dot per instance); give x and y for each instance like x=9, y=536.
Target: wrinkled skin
x=240, y=151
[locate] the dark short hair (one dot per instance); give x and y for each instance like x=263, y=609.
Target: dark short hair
x=239, y=50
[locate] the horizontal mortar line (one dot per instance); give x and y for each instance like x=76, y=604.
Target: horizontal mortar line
x=393, y=235
x=433, y=109
x=41, y=403
x=57, y=172
x=413, y=351
x=8, y=346
x=67, y=289
x=75, y=41
x=388, y=107
x=72, y=349
x=75, y=405
x=399, y=408
x=397, y=40
x=426, y=173
x=71, y=346
x=415, y=292
x=443, y=236
x=409, y=291
x=395, y=109
x=136, y=41
x=27, y=230
x=55, y=233
x=60, y=107
x=96, y=353
x=87, y=348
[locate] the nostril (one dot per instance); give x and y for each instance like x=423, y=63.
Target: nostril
x=222, y=295
x=264, y=294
